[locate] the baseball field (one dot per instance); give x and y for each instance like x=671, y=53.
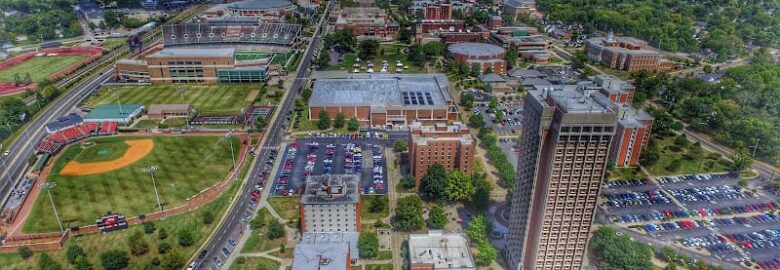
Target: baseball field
x=106, y=174
x=205, y=98
x=40, y=67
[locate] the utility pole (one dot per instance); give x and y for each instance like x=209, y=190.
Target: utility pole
x=150, y=170
x=5, y=167
x=180, y=89
x=48, y=187
x=755, y=147
x=229, y=136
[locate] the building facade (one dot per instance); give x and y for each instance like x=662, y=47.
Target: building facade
x=331, y=203
x=367, y=22
x=633, y=134
x=565, y=147
x=483, y=56
x=624, y=53
x=450, y=146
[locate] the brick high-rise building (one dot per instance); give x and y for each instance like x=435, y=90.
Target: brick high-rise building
x=633, y=133
x=449, y=146
x=565, y=146
x=438, y=12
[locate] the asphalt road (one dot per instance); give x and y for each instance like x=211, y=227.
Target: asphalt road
x=274, y=137
x=22, y=148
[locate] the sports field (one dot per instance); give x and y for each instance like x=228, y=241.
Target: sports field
x=187, y=165
x=40, y=67
x=205, y=98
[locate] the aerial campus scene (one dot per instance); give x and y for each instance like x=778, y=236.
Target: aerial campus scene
x=389, y=134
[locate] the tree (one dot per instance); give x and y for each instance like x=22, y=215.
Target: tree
x=162, y=233
x=467, y=100
x=368, y=48
x=480, y=201
x=619, y=251
x=323, y=59
x=579, y=60
x=400, y=146
x=499, y=115
x=260, y=122
x=353, y=124
x=511, y=57
x=437, y=218
x=45, y=262
x=149, y=228
x=405, y=35
x=670, y=266
x=486, y=253
x=408, y=213
x=73, y=251
x=408, y=181
x=478, y=230
x=434, y=182
x=649, y=157
x=114, y=259
x=681, y=140
x=137, y=244
x=493, y=105
x=378, y=204
x=324, y=122
x=416, y=55
x=25, y=252
x=275, y=230
x=368, y=245
x=459, y=187
x=173, y=261
x=741, y=159
x=186, y=237
x=477, y=121
x=707, y=69
x=339, y=121
x=82, y=263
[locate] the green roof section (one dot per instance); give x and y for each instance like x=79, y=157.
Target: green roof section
x=112, y=111
x=40, y=162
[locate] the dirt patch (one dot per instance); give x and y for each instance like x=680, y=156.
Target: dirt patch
x=137, y=150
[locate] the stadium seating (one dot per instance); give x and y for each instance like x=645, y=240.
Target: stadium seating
x=54, y=142
x=206, y=33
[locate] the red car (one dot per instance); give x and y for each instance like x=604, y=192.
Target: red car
x=285, y=192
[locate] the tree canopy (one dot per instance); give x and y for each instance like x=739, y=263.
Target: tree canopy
x=434, y=182
x=619, y=251
x=408, y=213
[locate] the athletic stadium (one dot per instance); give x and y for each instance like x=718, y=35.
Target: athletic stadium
x=212, y=53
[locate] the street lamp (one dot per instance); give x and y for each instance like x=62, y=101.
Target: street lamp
x=116, y=92
x=181, y=92
x=48, y=186
x=5, y=167
x=229, y=136
x=150, y=170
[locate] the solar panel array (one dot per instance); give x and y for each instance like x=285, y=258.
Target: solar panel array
x=417, y=98
x=207, y=33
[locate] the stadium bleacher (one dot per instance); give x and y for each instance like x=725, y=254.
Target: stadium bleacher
x=54, y=141
x=206, y=33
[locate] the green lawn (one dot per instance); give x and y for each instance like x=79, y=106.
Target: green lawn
x=708, y=162
x=286, y=207
x=365, y=211
x=256, y=263
x=378, y=267
x=146, y=123
x=392, y=53
x=80, y=199
x=206, y=98
x=95, y=244
x=258, y=242
x=114, y=43
x=40, y=67
x=629, y=173
x=179, y=122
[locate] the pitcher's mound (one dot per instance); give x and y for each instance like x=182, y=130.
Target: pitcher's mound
x=137, y=149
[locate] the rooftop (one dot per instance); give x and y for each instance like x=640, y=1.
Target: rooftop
x=113, y=111
x=475, y=49
x=381, y=90
x=64, y=122
x=443, y=250
x=321, y=256
x=491, y=77
x=350, y=238
x=570, y=100
x=260, y=4
x=331, y=189
x=526, y=73
x=161, y=108
x=189, y=52
x=627, y=111
x=607, y=44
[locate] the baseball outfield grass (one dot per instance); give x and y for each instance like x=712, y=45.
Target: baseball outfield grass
x=187, y=165
x=40, y=67
x=205, y=98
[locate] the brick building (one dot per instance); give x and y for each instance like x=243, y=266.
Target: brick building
x=450, y=146
x=269, y=11
x=367, y=22
x=517, y=7
x=384, y=100
x=624, y=53
x=485, y=56
x=331, y=203
x=565, y=147
x=632, y=135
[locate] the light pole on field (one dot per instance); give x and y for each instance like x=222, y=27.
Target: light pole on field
x=116, y=92
x=150, y=170
x=48, y=186
x=229, y=136
x=180, y=89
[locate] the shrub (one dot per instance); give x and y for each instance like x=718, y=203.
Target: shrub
x=149, y=228
x=25, y=252
x=114, y=259
x=163, y=247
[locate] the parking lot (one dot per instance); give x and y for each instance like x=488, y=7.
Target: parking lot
x=510, y=125
x=317, y=156
x=511, y=149
x=714, y=213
